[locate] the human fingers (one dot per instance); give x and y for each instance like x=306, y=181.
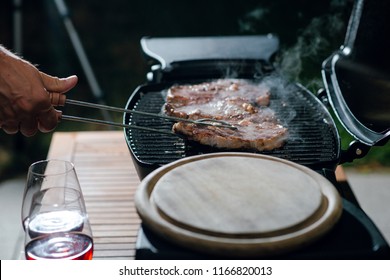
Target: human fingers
x=8, y=119
x=28, y=127
x=60, y=85
x=12, y=122
x=10, y=127
x=47, y=120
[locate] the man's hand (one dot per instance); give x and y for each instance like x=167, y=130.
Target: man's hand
x=24, y=99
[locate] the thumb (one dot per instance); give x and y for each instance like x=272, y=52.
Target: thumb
x=60, y=85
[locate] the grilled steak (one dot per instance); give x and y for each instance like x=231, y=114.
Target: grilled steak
x=239, y=102
x=221, y=99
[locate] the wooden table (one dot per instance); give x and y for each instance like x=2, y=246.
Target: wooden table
x=108, y=180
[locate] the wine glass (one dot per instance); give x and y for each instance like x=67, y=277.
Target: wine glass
x=54, y=215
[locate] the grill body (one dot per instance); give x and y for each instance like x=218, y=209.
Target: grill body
x=313, y=139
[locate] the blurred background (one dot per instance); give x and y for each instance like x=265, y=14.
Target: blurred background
x=110, y=32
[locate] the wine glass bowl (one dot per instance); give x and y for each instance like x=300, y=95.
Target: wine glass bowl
x=54, y=215
x=47, y=174
x=56, y=209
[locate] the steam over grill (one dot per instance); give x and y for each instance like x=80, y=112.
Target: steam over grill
x=312, y=140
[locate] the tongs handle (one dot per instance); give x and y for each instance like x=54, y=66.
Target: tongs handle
x=110, y=123
x=60, y=100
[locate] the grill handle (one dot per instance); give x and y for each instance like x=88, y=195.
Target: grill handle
x=358, y=149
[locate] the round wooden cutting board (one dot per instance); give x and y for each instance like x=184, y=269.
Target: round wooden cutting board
x=239, y=204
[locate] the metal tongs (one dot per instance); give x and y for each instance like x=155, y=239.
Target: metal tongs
x=58, y=99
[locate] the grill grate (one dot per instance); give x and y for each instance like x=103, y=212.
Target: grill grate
x=313, y=139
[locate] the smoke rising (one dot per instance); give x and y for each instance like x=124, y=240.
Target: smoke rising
x=301, y=59
x=312, y=44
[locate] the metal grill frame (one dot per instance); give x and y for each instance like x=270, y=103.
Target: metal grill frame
x=313, y=141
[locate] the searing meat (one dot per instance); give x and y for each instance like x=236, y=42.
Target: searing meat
x=220, y=99
x=249, y=135
x=239, y=102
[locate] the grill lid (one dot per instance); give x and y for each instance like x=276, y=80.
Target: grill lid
x=357, y=76
x=192, y=58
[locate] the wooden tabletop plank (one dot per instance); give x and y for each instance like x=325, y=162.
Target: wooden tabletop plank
x=129, y=240
x=108, y=180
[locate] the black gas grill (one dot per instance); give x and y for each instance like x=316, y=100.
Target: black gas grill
x=313, y=138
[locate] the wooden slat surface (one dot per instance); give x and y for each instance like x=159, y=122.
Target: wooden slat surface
x=108, y=180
